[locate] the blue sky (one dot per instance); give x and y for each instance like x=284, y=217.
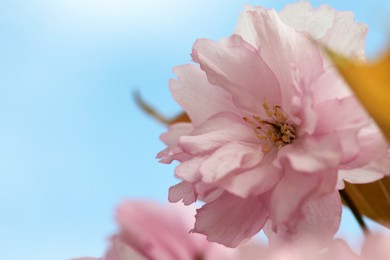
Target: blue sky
x=72, y=142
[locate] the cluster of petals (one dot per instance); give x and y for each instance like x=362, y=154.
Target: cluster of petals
x=274, y=129
x=150, y=231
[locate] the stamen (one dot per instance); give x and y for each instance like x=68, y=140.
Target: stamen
x=277, y=131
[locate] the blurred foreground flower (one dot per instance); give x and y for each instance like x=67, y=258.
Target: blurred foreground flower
x=151, y=231
x=376, y=247
x=273, y=128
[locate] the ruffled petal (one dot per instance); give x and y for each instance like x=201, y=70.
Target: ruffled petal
x=337, y=30
x=120, y=251
x=285, y=200
x=302, y=112
x=347, y=36
x=329, y=86
x=238, y=68
x=343, y=118
x=311, y=154
x=267, y=33
x=215, y=132
x=314, y=227
x=376, y=247
x=340, y=114
x=197, y=96
x=184, y=191
x=339, y=249
x=230, y=220
x=229, y=158
x=171, y=139
x=255, y=181
x=373, y=160
x=189, y=170
x=208, y=192
x=142, y=224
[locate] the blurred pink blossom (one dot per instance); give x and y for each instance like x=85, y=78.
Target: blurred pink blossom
x=375, y=247
x=273, y=130
x=151, y=231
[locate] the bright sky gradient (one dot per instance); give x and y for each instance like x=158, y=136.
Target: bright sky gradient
x=72, y=142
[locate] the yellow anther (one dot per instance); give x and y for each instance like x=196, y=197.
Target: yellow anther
x=266, y=148
x=274, y=131
x=258, y=119
x=286, y=139
x=265, y=104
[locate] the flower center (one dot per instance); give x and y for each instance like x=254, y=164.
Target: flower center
x=276, y=131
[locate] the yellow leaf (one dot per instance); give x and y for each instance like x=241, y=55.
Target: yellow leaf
x=372, y=199
x=371, y=83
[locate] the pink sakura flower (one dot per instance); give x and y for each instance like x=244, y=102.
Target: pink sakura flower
x=273, y=130
x=148, y=231
x=375, y=247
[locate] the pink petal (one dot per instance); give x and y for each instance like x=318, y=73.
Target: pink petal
x=376, y=247
x=312, y=153
x=230, y=220
x=372, y=162
x=208, y=192
x=329, y=86
x=245, y=27
x=347, y=36
x=289, y=194
x=153, y=231
x=171, y=139
x=267, y=33
x=215, y=132
x=189, y=170
x=340, y=250
x=239, y=69
x=304, y=18
x=314, y=227
x=286, y=199
x=229, y=158
x=168, y=155
x=302, y=112
x=338, y=30
x=254, y=181
x=252, y=251
x=182, y=191
x=340, y=114
x=197, y=96
x=120, y=251
x=344, y=118
x=349, y=144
